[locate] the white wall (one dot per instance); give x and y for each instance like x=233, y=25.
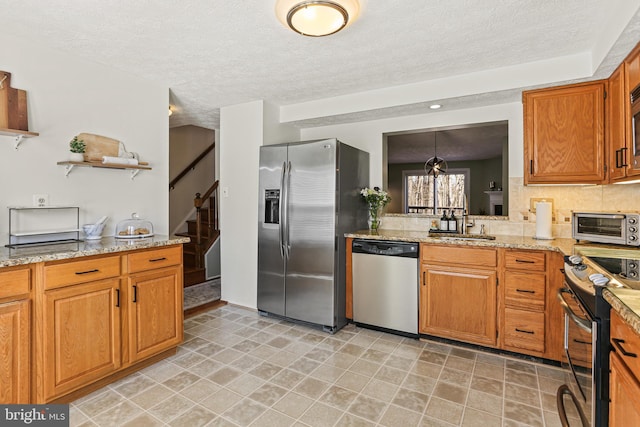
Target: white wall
x=67, y=96
x=243, y=129
x=368, y=135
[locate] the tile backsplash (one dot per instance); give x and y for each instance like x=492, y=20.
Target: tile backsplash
x=522, y=222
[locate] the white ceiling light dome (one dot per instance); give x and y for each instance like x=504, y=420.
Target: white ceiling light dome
x=316, y=18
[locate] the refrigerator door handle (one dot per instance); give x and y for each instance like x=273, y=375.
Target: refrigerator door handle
x=280, y=214
x=287, y=245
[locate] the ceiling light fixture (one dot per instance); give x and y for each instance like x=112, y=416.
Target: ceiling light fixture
x=435, y=106
x=170, y=111
x=317, y=18
x=435, y=165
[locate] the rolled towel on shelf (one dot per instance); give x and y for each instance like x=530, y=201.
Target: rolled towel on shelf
x=119, y=161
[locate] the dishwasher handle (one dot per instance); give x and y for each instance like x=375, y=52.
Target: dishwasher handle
x=385, y=248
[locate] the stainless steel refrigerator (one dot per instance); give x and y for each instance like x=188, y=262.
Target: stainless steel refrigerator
x=309, y=198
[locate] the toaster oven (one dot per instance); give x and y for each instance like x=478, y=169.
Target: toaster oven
x=607, y=227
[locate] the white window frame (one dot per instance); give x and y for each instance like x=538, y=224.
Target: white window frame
x=456, y=171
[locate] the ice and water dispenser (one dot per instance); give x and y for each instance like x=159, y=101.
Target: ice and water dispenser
x=271, y=206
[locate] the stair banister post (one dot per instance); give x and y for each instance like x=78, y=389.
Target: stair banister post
x=197, y=202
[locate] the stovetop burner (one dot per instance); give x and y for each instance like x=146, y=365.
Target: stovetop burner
x=624, y=269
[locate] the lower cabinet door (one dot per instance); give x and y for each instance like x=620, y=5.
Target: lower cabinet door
x=81, y=335
x=155, y=312
x=624, y=395
x=458, y=303
x=15, y=352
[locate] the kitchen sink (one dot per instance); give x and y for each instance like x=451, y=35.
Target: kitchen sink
x=456, y=236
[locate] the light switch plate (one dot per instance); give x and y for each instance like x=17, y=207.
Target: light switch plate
x=40, y=200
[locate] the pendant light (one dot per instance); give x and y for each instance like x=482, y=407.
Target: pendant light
x=435, y=165
x=316, y=18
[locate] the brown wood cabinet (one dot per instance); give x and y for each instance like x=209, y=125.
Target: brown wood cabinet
x=564, y=139
x=15, y=335
x=531, y=320
x=155, y=312
x=15, y=361
x=101, y=317
x=458, y=293
x=81, y=335
x=624, y=385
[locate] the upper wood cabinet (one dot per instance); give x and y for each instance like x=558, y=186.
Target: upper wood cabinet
x=632, y=63
x=564, y=134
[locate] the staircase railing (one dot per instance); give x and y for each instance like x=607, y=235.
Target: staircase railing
x=210, y=197
x=191, y=166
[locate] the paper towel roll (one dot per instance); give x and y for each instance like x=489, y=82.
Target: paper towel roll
x=543, y=221
x=119, y=161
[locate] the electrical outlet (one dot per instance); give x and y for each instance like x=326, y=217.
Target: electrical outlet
x=534, y=200
x=40, y=200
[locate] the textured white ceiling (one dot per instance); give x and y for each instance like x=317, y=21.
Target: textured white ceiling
x=214, y=53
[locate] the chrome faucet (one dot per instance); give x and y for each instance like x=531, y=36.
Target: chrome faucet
x=465, y=215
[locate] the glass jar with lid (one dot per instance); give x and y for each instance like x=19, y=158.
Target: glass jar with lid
x=134, y=228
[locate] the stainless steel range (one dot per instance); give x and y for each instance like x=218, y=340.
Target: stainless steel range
x=585, y=394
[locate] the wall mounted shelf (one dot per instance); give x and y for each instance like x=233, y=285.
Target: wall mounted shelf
x=135, y=169
x=67, y=229
x=18, y=134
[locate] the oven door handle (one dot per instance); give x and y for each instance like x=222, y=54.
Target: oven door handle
x=582, y=323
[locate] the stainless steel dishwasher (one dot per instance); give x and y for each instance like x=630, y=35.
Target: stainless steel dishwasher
x=385, y=285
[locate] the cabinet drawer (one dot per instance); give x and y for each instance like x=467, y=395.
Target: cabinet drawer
x=72, y=272
x=459, y=255
x=524, y=330
x=623, y=337
x=524, y=260
x=15, y=282
x=525, y=290
x=157, y=258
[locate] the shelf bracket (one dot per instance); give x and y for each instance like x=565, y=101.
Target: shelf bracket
x=19, y=139
x=134, y=172
x=68, y=169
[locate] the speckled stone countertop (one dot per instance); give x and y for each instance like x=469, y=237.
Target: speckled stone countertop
x=565, y=246
x=21, y=256
x=627, y=303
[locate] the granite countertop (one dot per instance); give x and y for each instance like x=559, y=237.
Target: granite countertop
x=29, y=255
x=627, y=303
x=562, y=245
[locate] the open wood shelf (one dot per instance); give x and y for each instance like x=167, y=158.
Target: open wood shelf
x=18, y=134
x=135, y=169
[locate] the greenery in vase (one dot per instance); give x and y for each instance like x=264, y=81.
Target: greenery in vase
x=77, y=145
x=376, y=199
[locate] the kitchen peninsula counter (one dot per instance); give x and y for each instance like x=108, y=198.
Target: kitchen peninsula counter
x=55, y=252
x=562, y=245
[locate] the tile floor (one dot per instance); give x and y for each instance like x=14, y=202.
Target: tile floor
x=237, y=368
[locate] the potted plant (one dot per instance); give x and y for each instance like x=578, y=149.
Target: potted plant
x=77, y=148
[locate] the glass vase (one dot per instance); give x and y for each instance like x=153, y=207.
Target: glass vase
x=374, y=218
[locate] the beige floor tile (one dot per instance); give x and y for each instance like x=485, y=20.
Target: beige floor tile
x=318, y=354
x=489, y=370
x=200, y=390
x=367, y=408
x=311, y=387
x=526, y=395
x=454, y=376
x=245, y=412
x=205, y=367
x=474, y=418
x=460, y=363
x=287, y=378
x=364, y=367
x=444, y=410
x=328, y=373
x=419, y=383
x=188, y=360
x=412, y=400
x=227, y=356
x=352, y=349
x=143, y=420
x=338, y=397
x=391, y=375
x=521, y=413
x=293, y=404
x=486, y=402
x=224, y=375
x=268, y=394
x=265, y=370
x=380, y=390
x=428, y=421
x=151, y=396
x=321, y=415
x=221, y=401
x=374, y=355
x=271, y=418
x=350, y=420
x=170, y=408
x=304, y=365
x=450, y=392
x=427, y=369
x=100, y=403
x=245, y=384
x=197, y=416
x=432, y=357
x=341, y=360
x=396, y=416
x=246, y=346
x=353, y=381
x=399, y=362
x=487, y=385
x=181, y=381
x=283, y=358
x=246, y=363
